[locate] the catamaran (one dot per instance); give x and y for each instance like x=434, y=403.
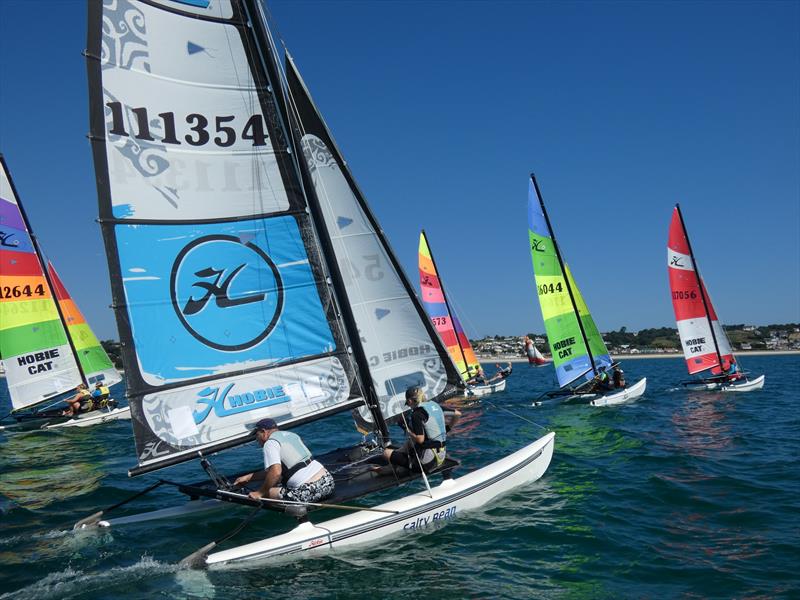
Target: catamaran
x=535, y=357
x=579, y=352
x=444, y=318
x=706, y=347
x=250, y=277
x=46, y=346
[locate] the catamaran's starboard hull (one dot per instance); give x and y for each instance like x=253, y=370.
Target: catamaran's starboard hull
x=745, y=386
x=94, y=418
x=419, y=510
x=485, y=390
x=625, y=395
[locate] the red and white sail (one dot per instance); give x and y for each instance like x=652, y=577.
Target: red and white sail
x=694, y=311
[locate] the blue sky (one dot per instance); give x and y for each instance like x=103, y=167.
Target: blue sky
x=443, y=108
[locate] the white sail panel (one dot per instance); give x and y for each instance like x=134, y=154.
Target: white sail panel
x=34, y=377
x=197, y=416
x=399, y=348
x=187, y=137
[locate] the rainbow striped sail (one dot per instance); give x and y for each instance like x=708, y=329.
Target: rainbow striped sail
x=576, y=345
x=34, y=347
x=95, y=363
x=442, y=315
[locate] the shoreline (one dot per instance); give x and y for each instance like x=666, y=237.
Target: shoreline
x=522, y=359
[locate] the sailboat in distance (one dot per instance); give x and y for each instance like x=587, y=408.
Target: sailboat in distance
x=444, y=318
x=579, y=353
x=251, y=280
x=535, y=358
x=706, y=347
x=46, y=346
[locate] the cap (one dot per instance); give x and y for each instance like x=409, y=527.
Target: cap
x=266, y=424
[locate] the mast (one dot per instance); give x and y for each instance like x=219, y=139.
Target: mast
x=446, y=302
x=563, y=270
x=45, y=270
x=700, y=285
x=263, y=36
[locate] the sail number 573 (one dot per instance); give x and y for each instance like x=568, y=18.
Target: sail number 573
x=203, y=130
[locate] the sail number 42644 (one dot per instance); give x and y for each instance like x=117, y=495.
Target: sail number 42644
x=18, y=291
x=200, y=126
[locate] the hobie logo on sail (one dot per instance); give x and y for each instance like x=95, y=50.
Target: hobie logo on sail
x=220, y=286
x=5, y=240
x=536, y=245
x=223, y=403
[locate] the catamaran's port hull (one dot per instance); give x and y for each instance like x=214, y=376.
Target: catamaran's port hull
x=417, y=511
x=485, y=390
x=627, y=395
x=89, y=419
x=745, y=386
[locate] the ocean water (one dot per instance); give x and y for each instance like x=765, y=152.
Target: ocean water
x=677, y=495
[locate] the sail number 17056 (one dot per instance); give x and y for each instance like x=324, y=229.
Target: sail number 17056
x=199, y=125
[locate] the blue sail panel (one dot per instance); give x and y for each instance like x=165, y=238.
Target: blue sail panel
x=236, y=296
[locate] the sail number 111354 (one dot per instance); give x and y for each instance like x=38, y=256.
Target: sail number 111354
x=223, y=129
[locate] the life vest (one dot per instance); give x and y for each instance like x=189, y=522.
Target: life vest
x=101, y=392
x=294, y=454
x=85, y=399
x=435, y=435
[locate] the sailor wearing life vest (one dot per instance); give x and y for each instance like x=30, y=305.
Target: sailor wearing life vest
x=100, y=394
x=427, y=435
x=80, y=402
x=290, y=472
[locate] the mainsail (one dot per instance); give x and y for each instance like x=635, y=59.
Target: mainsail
x=576, y=345
x=441, y=313
x=34, y=345
x=223, y=301
x=705, y=345
x=400, y=345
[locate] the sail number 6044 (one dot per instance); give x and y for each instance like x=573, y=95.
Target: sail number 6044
x=550, y=288
x=201, y=127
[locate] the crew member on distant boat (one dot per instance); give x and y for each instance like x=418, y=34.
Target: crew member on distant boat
x=100, y=395
x=479, y=378
x=618, y=377
x=426, y=438
x=80, y=402
x=502, y=372
x=290, y=471
x=601, y=382
x=732, y=372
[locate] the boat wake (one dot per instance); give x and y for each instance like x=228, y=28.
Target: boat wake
x=63, y=584
x=28, y=537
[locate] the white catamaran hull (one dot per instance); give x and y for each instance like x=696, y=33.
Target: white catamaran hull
x=94, y=418
x=745, y=386
x=485, y=390
x=625, y=395
x=419, y=510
